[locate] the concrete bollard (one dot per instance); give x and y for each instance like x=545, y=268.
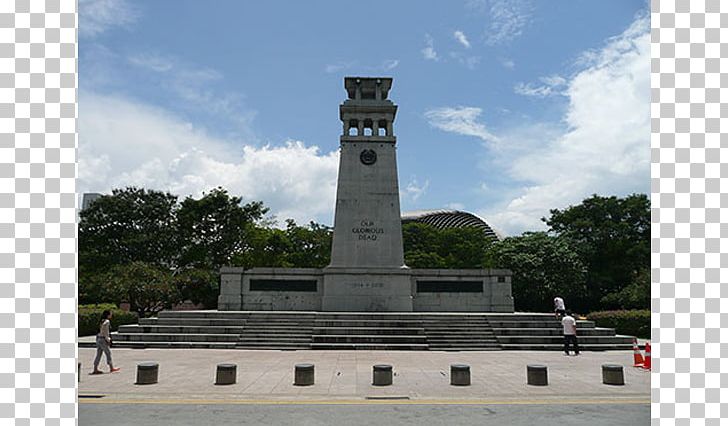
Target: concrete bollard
x=382, y=375
x=460, y=375
x=147, y=373
x=537, y=375
x=304, y=375
x=226, y=374
x=612, y=374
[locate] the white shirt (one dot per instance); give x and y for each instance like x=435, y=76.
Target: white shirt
x=559, y=303
x=569, y=324
x=104, y=329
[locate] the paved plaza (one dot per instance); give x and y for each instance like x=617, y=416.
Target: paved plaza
x=188, y=375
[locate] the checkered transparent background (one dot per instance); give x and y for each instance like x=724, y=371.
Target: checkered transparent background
x=689, y=111
x=37, y=212
x=38, y=235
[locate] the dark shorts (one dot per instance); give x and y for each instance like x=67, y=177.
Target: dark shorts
x=561, y=311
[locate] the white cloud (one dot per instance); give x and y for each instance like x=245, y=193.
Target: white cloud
x=552, y=85
x=462, y=120
x=462, y=39
x=97, y=16
x=152, y=62
x=469, y=62
x=603, y=147
x=455, y=206
x=389, y=64
x=429, y=52
x=508, y=19
x=414, y=190
x=507, y=63
x=338, y=66
x=122, y=143
x=194, y=86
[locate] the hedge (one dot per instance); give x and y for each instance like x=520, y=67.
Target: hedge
x=627, y=322
x=89, y=317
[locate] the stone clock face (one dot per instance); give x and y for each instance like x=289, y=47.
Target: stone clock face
x=368, y=157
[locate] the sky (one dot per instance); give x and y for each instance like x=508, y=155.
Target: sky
x=506, y=108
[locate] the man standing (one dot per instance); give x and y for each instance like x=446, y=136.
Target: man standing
x=569, y=324
x=559, y=307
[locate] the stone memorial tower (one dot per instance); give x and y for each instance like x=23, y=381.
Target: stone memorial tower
x=367, y=270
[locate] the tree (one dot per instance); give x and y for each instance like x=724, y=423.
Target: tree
x=612, y=237
x=453, y=248
x=215, y=228
x=147, y=288
x=310, y=245
x=543, y=267
x=198, y=286
x=127, y=226
x=293, y=247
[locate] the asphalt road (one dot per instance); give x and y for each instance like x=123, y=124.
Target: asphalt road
x=607, y=414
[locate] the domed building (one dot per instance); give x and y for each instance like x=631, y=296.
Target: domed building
x=444, y=219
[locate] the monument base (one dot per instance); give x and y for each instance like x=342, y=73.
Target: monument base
x=365, y=290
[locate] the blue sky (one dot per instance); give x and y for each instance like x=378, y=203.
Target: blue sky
x=506, y=108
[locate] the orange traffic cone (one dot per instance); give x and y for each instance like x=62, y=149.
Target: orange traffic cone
x=648, y=358
x=638, y=360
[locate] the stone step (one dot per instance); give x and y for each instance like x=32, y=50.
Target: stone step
x=551, y=331
x=351, y=338
x=504, y=340
x=171, y=337
x=555, y=347
x=537, y=324
x=172, y=329
x=308, y=330
x=463, y=344
x=370, y=346
x=175, y=345
x=275, y=336
x=274, y=339
x=193, y=322
x=273, y=344
x=367, y=330
x=466, y=349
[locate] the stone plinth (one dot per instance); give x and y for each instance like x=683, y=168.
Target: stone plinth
x=382, y=375
x=537, y=375
x=226, y=374
x=612, y=374
x=367, y=290
x=304, y=375
x=147, y=373
x=460, y=375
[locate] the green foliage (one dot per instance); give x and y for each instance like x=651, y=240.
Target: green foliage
x=89, y=318
x=199, y=286
x=147, y=288
x=293, y=247
x=543, y=267
x=627, y=322
x=635, y=295
x=456, y=248
x=130, y=225
x=215, y=228
x=612, y=237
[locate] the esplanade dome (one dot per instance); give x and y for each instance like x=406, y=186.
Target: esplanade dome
x=443, y=219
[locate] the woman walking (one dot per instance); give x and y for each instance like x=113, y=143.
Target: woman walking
x=103, y=342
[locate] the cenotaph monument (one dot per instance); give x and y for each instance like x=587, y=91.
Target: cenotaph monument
x=367, y=272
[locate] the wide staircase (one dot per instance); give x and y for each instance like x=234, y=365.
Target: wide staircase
x=360, y=331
